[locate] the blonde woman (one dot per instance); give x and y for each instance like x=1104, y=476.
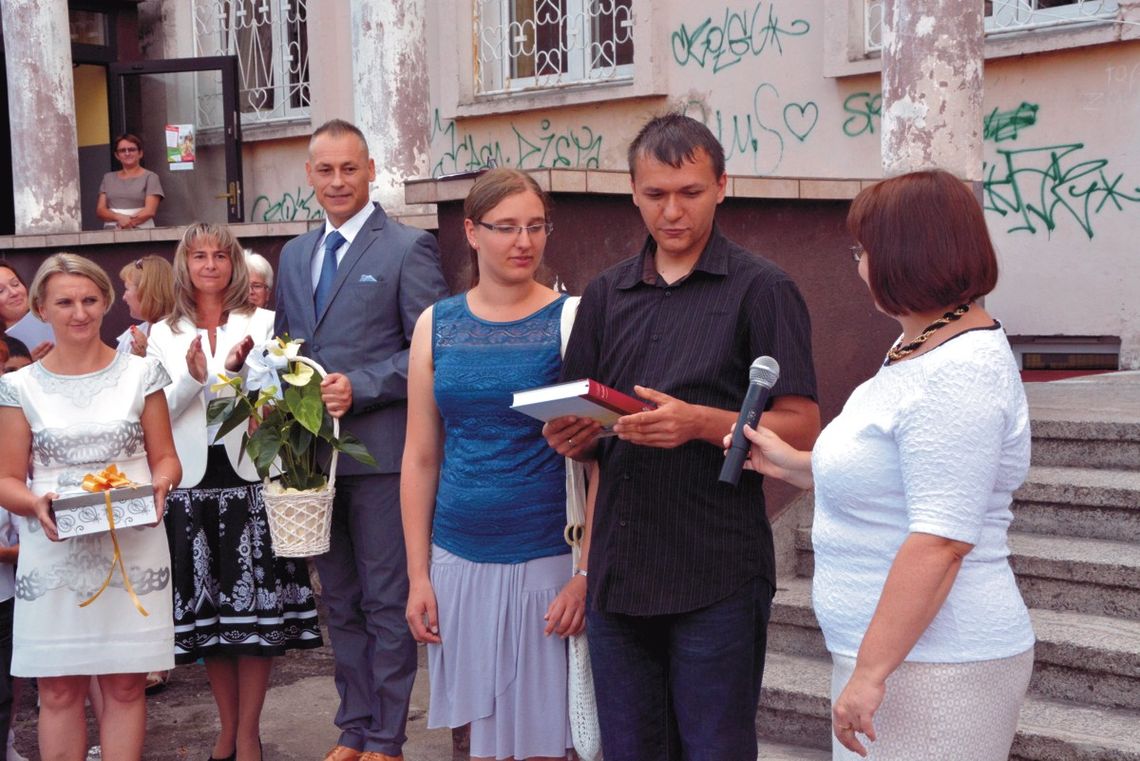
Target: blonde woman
x=148, y=291
x=76, y=411
x=235, y=603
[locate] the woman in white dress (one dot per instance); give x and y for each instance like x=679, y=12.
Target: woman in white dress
x=931, y=643
x=76, y=411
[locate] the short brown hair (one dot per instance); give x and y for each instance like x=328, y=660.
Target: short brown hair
x=153, y=278
x=491, y=189
x=338, y=128
x=127, y=137
x=68, y=264
x=673, y=139
x=926, y=241
x=236, y=296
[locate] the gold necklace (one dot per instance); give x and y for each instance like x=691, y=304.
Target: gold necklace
x=899, y=352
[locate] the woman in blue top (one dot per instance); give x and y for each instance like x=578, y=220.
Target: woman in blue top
x=483, y=497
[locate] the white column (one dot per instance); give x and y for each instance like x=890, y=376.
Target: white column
x=391, y=92
x=933, y=60
x=41, y=100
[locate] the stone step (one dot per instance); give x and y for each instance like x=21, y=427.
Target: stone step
x=1085, y=444
x=1095, y=504
x=781, y=752
x=1079, y=658
x=795, y=707
x=1091, y=422
x=1094, y=576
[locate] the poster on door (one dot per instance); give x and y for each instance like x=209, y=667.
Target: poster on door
x=180, y=147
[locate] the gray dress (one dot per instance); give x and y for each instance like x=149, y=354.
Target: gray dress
x=128, y=196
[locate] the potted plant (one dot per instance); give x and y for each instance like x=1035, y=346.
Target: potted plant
x=289, y=419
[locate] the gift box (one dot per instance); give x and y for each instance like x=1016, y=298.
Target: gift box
x=86, y=513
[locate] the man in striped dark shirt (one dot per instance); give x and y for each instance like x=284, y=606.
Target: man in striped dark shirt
x=681, y=567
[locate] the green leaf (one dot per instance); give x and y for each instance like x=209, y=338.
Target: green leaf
x=300, y=439
x=264, y=446
x=218, y=409
x=305, y=404
x=351, y=446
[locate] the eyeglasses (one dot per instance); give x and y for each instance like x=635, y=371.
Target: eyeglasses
x=857, y=252
x=513, y=231
x=138, y=264
x=127, y=150
x=258, y=287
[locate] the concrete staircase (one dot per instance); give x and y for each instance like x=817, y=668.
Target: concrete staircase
x=1075, y=544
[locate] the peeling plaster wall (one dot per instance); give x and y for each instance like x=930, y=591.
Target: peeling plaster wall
x=1060, y=172
x=933, y=83
x=391, y=91
x=45, y=166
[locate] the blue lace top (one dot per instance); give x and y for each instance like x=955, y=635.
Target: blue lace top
x=502, y=490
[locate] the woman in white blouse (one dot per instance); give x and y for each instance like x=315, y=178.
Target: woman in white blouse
x=235, y=602
x=914, y=480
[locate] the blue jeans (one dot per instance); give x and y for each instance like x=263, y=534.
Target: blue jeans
x=682, y=686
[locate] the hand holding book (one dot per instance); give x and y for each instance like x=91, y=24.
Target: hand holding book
x=585, y=398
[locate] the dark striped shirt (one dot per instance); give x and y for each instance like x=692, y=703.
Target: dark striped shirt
x=668, y=537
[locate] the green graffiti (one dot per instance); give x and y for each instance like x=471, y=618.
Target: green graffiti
x=544, y=148
x=735, y=38
x=287, y=208
x=865, y=109
x=1006, y=125
x=800, y=119
x=1037, y=188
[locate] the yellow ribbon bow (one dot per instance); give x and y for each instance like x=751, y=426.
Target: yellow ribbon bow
x=110, y=478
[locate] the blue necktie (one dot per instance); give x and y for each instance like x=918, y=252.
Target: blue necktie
x=328, y=272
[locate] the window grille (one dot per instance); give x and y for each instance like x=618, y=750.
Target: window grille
x=542, y=44
x=270, y=40
x=1008, y=16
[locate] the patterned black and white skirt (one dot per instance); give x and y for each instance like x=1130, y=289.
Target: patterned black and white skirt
x=232, y=595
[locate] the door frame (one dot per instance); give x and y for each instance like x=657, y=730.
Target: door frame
x=228, y=67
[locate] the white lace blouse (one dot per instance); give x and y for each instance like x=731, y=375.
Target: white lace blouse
x=937, y=445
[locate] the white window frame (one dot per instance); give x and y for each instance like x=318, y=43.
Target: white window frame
x=212, y=32
x=453, y=35
x=495, y=71
x=849, y=49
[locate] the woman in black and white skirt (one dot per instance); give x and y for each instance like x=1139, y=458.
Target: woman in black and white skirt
x=235, y=602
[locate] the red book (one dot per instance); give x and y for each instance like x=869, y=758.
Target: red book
x=581, y=398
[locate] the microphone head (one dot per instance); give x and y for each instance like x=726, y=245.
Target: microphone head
x=764, y=371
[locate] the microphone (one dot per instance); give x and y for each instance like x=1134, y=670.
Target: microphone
x=762, y=375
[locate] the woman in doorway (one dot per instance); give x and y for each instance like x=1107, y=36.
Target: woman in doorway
x=129, y=197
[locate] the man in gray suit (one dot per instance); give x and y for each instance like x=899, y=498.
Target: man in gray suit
x=352, y=289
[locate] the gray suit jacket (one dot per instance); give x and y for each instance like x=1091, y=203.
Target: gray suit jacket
x=388, y=276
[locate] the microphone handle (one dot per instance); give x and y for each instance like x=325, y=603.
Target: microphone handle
x=750, y=410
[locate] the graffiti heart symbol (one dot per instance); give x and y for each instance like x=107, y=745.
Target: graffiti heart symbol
x=800, y=119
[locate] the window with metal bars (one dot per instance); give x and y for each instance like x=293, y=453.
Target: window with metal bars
x=544, y=44
x=270, y=40
x=1008, y=16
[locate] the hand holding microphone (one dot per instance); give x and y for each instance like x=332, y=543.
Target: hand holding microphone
x=762, y=376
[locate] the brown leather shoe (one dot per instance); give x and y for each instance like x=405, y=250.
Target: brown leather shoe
x=376, y=756
x=343, y=753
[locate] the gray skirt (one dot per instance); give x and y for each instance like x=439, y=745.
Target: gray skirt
x=963, y=711
x=495, y=669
